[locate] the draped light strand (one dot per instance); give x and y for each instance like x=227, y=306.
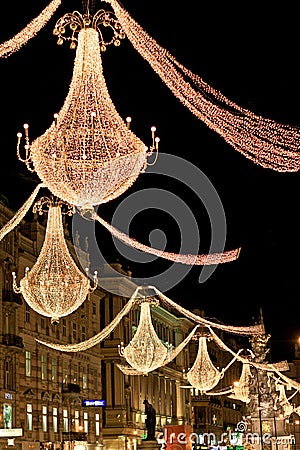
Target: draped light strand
x=198, y=260
x=250, y=330
x=94, y=340
x=264, y=141
x=15, y=43
x=20, y=214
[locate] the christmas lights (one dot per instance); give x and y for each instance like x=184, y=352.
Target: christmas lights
x=198, y=260
x=265, y=142
x=54, y=287
x=241, y=389
x=88, y=155
x=30, y=31
x=20, y=214
x=145, y=352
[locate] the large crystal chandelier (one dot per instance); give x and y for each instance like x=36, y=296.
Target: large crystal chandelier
x=145, y=352
x=89, y=155
x=54, y=287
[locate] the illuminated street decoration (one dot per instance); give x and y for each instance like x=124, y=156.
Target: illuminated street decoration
x=30, y=31
x=265, y=142
x=54, y=287
x=241, y=388
x=145, y=352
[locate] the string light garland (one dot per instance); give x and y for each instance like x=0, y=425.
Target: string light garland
x=20, y=214
x=264, y=141
x=14, y=44
x=89, y=155
x=54, y=287
x=197, y=260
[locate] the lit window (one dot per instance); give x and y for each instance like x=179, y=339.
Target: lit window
x=97, y=424
x=54, y=370
x=29, y=416
x=27, y=364
x=7, y=415
x=76, y=423
x=44, y=367
x=44, y=418
x=54, y=417
x=85, y=422
x=65, y=420
x=84, y=378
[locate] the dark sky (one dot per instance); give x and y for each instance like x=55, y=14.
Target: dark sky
x=251, y=56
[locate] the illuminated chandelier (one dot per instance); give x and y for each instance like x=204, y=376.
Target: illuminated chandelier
x=241, y=388
x=54, y=287
x=89, y=155
x=145, y=352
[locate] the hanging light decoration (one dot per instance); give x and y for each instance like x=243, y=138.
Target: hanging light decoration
x=241, y=388
x=145, y=352
x=30, y=31
x=203, y=375
x=54, y=287
x=89, y=155
x=264, y=141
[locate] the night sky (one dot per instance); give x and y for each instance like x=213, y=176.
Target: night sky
x=251, y=56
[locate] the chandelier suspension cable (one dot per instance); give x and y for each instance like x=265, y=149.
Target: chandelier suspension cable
x=19, y=216
x=250, y=330
x=94, y=340
x=173, y=353
x=264, y=141
x=30, y=31
x=198, y=260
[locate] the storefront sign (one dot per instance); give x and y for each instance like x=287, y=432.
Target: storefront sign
x=93, y=402
x=11, y=432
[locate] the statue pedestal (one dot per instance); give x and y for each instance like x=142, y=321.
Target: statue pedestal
x=149, y=445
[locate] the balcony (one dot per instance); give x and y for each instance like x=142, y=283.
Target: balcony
x=11, y=340
x=70, y=388
x=11, y=297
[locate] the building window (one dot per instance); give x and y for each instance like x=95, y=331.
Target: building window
x=54, y=420
x=7, y=415
x=85, y=422
x=97, y=424
x=29, y=416
x=44, y=367
x=94, y=309
x=83, y=333
x=27, y=313
x=76, y=420
x=27, y=364
x=65, y=372
x=42, y=322
x=74, y=331
x=44, y=418
x=65, y=420
x=75, y=374
x=64, y=327
x=54, y=370
x=84, y=378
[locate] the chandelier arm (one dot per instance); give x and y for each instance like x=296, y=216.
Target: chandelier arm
x=198, y=260
x=225, y=392
x=251, y=330
x=30, y=31
x=81, y=346
x=16, y=288
x=20, y=214
x=231, y=362
x=263, y=141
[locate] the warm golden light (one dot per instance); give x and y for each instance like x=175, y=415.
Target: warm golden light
x=54, y=287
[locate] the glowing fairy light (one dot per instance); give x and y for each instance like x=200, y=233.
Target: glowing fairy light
x=54, y=287
x=264, y=141
x=30, y=31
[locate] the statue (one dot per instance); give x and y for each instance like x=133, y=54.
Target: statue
x=150, y=421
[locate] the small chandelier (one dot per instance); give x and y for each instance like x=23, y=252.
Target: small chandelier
x=89, y=155
x=145, y=352
x=203, y=375
x=241, y=388
x=54, y=287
